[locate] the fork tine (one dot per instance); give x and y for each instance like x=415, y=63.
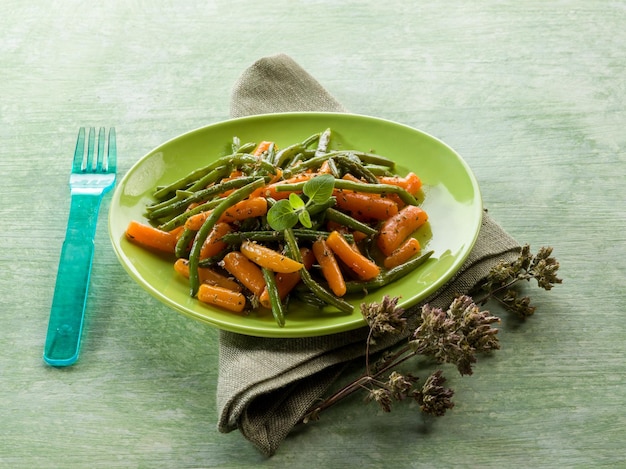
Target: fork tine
x=79, y=153
x=100, y=157
x=89, y=163
x=111, y=160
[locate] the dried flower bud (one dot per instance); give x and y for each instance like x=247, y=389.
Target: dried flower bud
x=455, y=335
x=544, y=268
x=433, y=398
x=382, y=396
x=520, y=306
x=400, y=385
x=385, y=316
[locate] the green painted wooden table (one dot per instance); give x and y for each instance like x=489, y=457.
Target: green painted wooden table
x=532, y=94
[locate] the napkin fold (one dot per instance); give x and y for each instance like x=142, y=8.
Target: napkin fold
x=266, y=385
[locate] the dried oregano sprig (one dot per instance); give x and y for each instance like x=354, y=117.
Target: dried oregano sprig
x=541, y=267
x=456, y=336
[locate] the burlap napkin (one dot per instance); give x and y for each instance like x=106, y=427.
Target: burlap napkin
x=265, y=386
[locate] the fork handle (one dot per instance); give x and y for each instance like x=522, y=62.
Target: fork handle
x=72, y=283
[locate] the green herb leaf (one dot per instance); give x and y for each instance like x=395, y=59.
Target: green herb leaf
x=296, y=202
x=319, y=189
x=282, y=216
x=305, y=219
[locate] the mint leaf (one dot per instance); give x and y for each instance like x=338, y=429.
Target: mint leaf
x=281, y=216
x=296, y=202
x=319, y=189
x=305, y=219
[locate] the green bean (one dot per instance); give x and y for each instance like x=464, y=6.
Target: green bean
x=314, y=209
x=238, y=237
x=193, y=176
x=372, y=158
x=236, y=145
x=296, y=159
x=322, y=144
x=307, y=154
x=179, y=220
x=278, y=310
x=213, y=176
x=264, y=167
x=311, y=140
x=315, y=287
x=183, y=243
x=347, y=220
x=373, y=189
x=179, y=195
x=247, y=147
x=356, y=168
x=333, y=168
x=302, y=166
x=379, y=170
x=317, y=160
x=309, y=299
x=181, y=205
x=194, y=255
x=269, y=155
x=389, y=276
x=286, y=154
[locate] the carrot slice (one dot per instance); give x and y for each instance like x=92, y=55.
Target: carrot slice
x=330, y=267
x=248, y=208
x=399, y=227
x=411, y=182
x=271, y=189
x=364, y=206
x=285, y=282
x=268, y=258
x=262, y=147
x=150, y=237
x=222, y=297
x=246, y=271
x=361, y=265
x=196, y=221
x=206, y=275
x=402, y=254
x=213, y=245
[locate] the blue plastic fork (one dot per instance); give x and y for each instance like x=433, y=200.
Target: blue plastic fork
x=93, y=174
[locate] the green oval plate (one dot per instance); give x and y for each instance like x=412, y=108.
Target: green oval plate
x=451, y=198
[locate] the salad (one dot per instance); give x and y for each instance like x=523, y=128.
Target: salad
x=263, y=225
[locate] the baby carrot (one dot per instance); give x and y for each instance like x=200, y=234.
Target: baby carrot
x=361, y=265
x=151, y=237
x=246, y=271
x=411, y=182
x=214, y=244
x=196, y=221
x=330, y=267
x=402, y=254
x=285, y=282
x=364, y=206
x=399, y=227
x=222, y=297
x=248, y=208
x=206, y=275
x=268, y=258
x=272, y=190
x=262, y=147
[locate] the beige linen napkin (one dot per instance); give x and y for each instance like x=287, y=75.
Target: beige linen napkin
x=265, y=386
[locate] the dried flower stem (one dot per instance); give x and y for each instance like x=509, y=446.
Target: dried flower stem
x=453, y=336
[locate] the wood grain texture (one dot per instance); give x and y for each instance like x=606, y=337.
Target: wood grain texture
x=531, y=94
